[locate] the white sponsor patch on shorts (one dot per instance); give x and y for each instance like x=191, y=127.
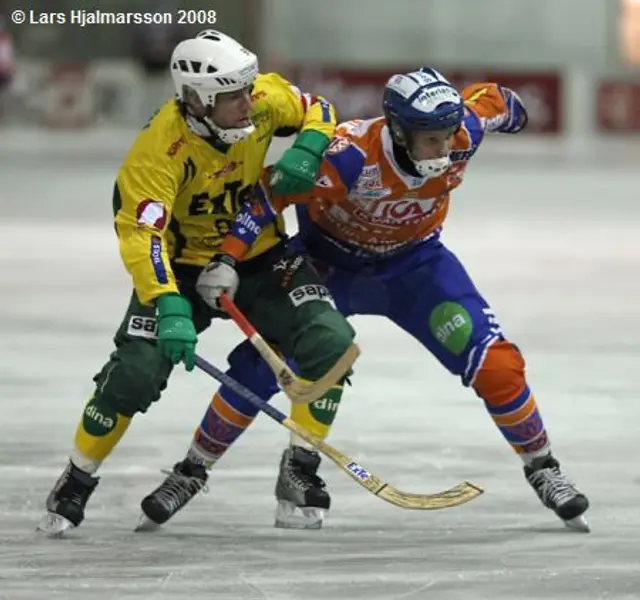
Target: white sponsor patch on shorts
x=145, y=327
x=307, y=293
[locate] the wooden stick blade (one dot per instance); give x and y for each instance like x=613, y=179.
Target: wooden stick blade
x=455, y=496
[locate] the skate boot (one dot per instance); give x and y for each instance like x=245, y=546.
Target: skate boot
x=557, y=492
x=66, y=502
x=302, y=496
x=182, y=484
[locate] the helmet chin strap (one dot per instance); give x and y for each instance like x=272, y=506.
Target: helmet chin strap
x=232, y=134
x=429, y=168
x=205, y=127
x=432, y=167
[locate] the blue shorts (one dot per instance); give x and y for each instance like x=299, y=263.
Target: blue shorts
x=425, y=290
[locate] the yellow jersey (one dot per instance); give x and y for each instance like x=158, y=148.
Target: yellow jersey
x=176, y=195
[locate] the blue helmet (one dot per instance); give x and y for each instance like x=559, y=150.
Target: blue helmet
x=422, y=101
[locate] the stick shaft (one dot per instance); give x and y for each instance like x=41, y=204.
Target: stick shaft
x=235, y=313
x=460, y=494
x=240, y=389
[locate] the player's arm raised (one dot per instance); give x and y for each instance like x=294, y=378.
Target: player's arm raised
x=144, y=194
x=314, y=119
x=339, y=170
x=265, y=205
x=499, y=109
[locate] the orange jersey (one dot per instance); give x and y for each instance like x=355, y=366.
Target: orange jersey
x=362, y=196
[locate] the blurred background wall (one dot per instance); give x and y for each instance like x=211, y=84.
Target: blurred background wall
x=575, y=62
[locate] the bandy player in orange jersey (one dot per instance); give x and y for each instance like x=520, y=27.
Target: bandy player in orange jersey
x=372, y=225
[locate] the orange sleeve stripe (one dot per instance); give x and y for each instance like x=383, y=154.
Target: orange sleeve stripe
x=485, y=99
x=234, y=247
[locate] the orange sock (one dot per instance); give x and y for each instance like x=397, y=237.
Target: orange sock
x=220, y=427
x=501, y=383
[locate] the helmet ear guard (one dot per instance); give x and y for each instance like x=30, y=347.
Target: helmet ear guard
x=398, y=134
x=191, y=99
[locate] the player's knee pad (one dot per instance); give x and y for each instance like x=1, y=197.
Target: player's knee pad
x=500, y=377
x=133, y=378
x=249, y=368
x=321, y=343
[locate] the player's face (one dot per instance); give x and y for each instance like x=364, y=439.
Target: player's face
x=427, y=145
x=232, y=109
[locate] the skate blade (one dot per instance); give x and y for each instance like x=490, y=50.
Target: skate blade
x=145, y=524
x=54, y=525
x=290, y=516
x=578, y=524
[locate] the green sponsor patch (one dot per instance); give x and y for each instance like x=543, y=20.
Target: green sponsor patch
x=324, y=410
x=97, y=420
x=451, y=325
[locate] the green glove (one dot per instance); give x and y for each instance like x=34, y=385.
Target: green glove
x=298, y=167
x=176, y=332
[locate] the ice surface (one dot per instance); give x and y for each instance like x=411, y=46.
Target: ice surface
x=554, y=247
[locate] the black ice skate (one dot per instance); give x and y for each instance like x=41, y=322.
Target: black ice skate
x=557, y=492
x=182, y=484
x=66, y=502
x=302, y=496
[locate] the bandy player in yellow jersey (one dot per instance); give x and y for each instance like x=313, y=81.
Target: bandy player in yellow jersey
x=176, y=194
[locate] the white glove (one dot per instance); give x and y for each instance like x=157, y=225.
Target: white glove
x=217, y=278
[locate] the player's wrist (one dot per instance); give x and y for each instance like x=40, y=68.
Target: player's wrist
x=173, y=304
x=225, y=259
x=314, y=142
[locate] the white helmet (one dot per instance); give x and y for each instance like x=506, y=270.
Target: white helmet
x=210, y=64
